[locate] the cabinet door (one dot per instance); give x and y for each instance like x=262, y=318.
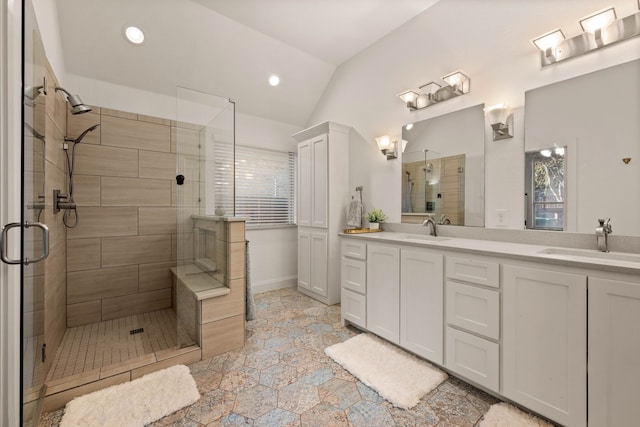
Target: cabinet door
x=304, y=184
x=353, y=275
x=304, y=260
x=614, y=352
x=319, y=181
x=545, y=342
x=383, y=291
x=474, y=309
x=319, y=263
x=421, y=317
x=354, y=308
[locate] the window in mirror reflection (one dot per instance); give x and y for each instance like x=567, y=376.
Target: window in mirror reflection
x=545, y=188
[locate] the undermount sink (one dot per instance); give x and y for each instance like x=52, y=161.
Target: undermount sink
x=582, y=253
x=424, y=237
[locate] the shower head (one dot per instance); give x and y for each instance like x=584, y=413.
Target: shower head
x=77, y=106
x=82, y=135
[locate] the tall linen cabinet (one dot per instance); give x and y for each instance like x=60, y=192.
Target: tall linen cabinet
x=323, y=197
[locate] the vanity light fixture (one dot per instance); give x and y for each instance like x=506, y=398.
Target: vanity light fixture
x=501, y=121
x=457, y=83
x=600, y=29
x=389, y=148
x=548, y=42
x=596, y=22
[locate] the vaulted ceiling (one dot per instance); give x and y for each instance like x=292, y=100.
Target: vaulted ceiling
x=228, y=47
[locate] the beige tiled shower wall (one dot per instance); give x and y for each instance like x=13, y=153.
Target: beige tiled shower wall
x=119, y=255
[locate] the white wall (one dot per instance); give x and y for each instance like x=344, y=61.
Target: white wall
x=466, y=35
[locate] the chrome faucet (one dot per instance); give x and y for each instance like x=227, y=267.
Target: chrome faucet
x=602, y=231
x=430, y=222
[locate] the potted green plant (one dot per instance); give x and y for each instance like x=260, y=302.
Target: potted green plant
x=375, y=217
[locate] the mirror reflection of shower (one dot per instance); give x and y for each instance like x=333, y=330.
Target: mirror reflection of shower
x=408, y=194
x=66, y=201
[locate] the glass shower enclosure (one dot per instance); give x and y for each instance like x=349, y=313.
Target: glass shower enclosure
x=205, y=141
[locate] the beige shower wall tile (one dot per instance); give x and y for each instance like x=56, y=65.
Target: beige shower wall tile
x=118, y=113
x=144, y=302
x=235, y=262
x=185, y=141
x=156, y=120
x=155, y=276
x=127, y=133
x=91, y=285
x=105, y=161
x=84, y=313
x=236, y=232
x=76, y=124
x=135, y=192
x=86, y=190
x=157, y=220
x=105, y=221
x=53, y=147
x=153, y=164
x=83, y=254
x=135, y=250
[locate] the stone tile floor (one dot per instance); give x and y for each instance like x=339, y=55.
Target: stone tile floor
x=283, y=378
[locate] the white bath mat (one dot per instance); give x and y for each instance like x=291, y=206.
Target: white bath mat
x=505, y=415
x=396, y=375
x=134, y=403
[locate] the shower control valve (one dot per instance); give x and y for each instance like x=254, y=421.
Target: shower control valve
x=60, y=201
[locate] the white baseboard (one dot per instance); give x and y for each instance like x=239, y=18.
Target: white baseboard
x=274, y=284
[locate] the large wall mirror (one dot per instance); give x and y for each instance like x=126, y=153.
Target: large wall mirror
x=443, y=169
x=594, y=121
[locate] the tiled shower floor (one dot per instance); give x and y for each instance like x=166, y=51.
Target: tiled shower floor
x=84, y=348
x=283, y=378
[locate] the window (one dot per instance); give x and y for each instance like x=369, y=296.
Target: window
x=545, y=172
x=265, y=186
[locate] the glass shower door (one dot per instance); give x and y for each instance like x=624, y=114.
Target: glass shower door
x=34, y=234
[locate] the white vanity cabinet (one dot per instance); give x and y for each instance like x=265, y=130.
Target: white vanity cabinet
x=323, y=165
x=544, y=346
x=421, y=274
x=383, y=291
x=614, y=351
x=353, y=278
x=473, y=319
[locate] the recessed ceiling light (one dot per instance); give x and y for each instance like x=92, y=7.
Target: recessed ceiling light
x=274, y=80
x=134, y=35
x=409, y=126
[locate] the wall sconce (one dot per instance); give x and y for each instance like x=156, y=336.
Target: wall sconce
x=501, y=121
x=600, y=29
x=389, y=148
x=457, y=83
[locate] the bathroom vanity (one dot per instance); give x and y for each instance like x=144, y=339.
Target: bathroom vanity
x=514, y=319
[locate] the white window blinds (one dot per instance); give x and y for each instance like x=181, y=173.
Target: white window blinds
x=265, y=186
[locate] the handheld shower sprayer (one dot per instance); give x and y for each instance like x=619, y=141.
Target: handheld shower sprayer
x=77, y=106
x=65, y=201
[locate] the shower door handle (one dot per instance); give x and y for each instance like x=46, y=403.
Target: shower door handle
x=4, y=242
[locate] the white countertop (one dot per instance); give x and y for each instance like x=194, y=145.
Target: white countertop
x=613, y=261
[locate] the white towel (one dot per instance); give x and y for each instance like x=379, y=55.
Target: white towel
x=354, y=217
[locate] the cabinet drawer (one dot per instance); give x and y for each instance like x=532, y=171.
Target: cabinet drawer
x=473, y=358
x=474, y=271
x=354, y=249
x=353, y=275
x=354, y=308
x=474, y=309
